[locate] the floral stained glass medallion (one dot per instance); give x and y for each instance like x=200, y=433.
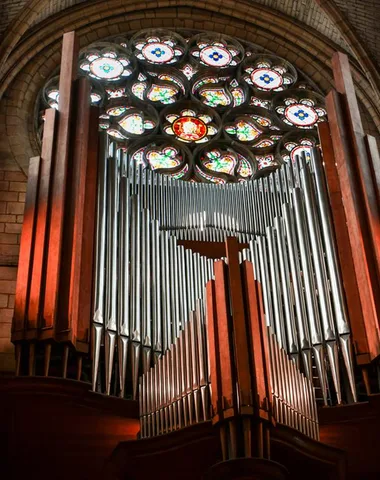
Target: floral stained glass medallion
x=162, y=93
x=159, y=47
x=246, y=131
x=107, y=68
x=221, y=162
x=215, y=56
x=167, y=157
x=158, y=52
x=215, y=97
x=266, y=79
x=301, y=115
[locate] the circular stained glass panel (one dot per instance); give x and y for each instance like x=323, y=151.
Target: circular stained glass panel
x=301, y=115
x=215, y=56
x=107, y=68
x=158, y=52
x=266, y=79
x=190, y=129
x=298, y=151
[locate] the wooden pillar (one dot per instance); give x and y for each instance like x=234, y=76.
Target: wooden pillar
x=26, y=252
x=360, y=161
x=85, y=270
x=42, y=223
x=240, y=337
x=350, y=281
x=54, y=288
x=66, y=92
x=227, y=404
x=363, y=257
x=213, y=350
x=240, y=371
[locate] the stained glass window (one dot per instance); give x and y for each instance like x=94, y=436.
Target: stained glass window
x=201, y=107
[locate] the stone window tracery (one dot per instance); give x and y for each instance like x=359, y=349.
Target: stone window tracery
x=200, y=107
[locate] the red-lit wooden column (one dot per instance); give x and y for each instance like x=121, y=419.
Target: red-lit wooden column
x=59, y=182
x=346, y=257
x=54, y=288
x=240, y=372
x=360, y=160
x=24, y=271
x=358, y=232
x=83, y=280
x=42, y=224
x=356, y=159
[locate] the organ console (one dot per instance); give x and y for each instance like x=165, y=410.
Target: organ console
x=120, y=279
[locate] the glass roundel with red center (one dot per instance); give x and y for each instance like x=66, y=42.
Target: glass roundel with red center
x=190, y=129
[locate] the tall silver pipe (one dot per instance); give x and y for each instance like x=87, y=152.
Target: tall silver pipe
x=286, y=284
x=156, y=279
x=336, y=285
x=136, y=291
x=265, y=280
x=123, y=283
x=276, y=286
x=320, y=275
x=111, y=268
x=295, y=269
x=100, y=249
x=310, y=290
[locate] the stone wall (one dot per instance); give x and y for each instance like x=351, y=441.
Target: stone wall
x=12, y=199
x=8, y=11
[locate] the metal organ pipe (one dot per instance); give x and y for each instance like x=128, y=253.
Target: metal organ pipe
x=148, y=287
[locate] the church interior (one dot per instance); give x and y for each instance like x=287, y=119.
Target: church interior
x=190, y=239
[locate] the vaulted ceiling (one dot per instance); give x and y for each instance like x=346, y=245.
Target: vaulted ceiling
x=357, y=17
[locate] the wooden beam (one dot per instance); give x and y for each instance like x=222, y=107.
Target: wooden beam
x=224, y=340
x=260, y=387
x=69, y=285
x=345, y=86
x=364, y=263
x=213, y=352
x=213, y=250
x=40, y=247
x=25, y=261
x=68, y=74
x=350, y=284
x=88, y=240
x=240, y=337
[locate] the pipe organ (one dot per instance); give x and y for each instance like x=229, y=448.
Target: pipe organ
x=205, y=303
x=151, y=283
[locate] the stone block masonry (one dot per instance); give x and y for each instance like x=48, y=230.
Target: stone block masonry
x=12, y=200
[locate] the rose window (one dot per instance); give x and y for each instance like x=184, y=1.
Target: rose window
x=202, y=107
